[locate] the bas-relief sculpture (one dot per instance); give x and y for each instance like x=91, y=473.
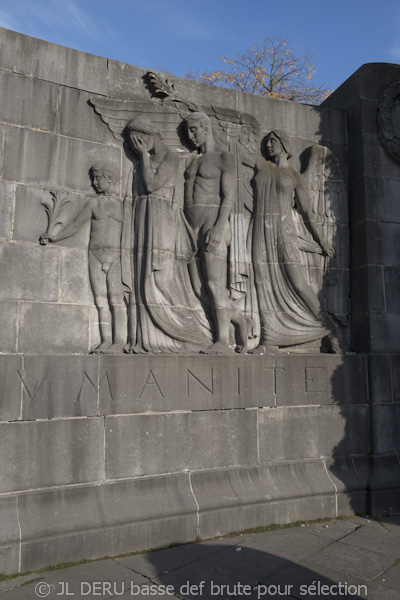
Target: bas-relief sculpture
x=232, y=250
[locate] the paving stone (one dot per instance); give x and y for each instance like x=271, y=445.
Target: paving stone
x=349, y=560
x=381, y=540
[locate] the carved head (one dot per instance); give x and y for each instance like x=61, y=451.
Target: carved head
x=276, y=143
x=142, y=128
x=104, y=178
x=198, y=126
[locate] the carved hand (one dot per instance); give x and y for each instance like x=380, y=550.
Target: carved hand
x=327, y=248
x=138, y=145
x=44, y=239
x=213, y=238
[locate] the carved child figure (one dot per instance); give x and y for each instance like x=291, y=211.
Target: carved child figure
x=106, y=215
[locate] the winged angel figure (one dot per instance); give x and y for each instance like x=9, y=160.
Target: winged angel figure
x=169, y=311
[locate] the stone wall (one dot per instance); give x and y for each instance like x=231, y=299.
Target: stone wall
x=106, y=455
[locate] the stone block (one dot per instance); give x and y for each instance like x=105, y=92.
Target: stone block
x=380, y=378
x=323, y=379
x=386, y=426
x=368, y=289
x=6, y=209
x=376, y=244
x=50, y=453
x=236, y=499
x=75, y=286
x=43, y=60
x=384, y=332
x=8, y=326
x=28, y=101
x=395, y=376
x=28, y=273
x=79, y=120
x=59, y=386
x=363, y=195
x=289, y=433
x=170, y=443
x=10, y=535
x=29, y=202
x=94, y=331
x=52, y=329
x=108, y=519
x=361, y=118
x=138, y=384
x=56, y=162
x=387, y=190
x=392, y=289
x=125, y=81
x=10, y=387
x=360, y=327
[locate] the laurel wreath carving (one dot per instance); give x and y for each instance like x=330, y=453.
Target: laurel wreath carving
x=387, y=136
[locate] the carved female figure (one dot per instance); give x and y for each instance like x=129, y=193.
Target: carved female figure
x=158, y=306
x=290, y=311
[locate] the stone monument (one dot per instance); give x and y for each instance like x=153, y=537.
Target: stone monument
x=200, y=315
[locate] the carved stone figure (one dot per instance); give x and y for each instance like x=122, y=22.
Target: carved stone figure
x=163, y=315
x=209, y=195
x=290, y=311
x=106, y=214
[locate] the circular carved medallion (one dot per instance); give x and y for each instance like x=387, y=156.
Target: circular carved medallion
x=389, y=120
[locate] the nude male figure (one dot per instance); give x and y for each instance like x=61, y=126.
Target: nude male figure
x=106, y=214
x=209, y=196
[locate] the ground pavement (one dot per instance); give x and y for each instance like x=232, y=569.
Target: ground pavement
x=358, y=557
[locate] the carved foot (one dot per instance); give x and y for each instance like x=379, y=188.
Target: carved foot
x=102, y=348
x=114, y=349
x=136, y=349
x=262, y=349
x=333, y=344
x=218, y=348
x=245, y=327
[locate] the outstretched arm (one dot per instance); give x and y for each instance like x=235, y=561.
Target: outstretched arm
x=84, y=215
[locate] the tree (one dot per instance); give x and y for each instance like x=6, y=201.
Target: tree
x=270, y=69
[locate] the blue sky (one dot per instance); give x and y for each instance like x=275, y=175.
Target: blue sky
x=177, y=35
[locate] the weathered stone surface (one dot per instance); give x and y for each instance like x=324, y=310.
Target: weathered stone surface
x=28, y=101
x=386, y=424
x=78, y=119
x=385, y=332
x=312, y=432
x=10, y=535
x=236, y=499
x=367, y=289
x=27, y=273
x=320, y=380
x=74, y=279
x=52, y=328
x=55, y=159
x=114, y=518
x=50, y=62
x=50, y=453
x=350, y=478
x=392, y=289
x=380, y=378
x=8, y=326
x=6, y=209
x=205, y=440
x=10, y=387
x=59, y=386
x=137, y=384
